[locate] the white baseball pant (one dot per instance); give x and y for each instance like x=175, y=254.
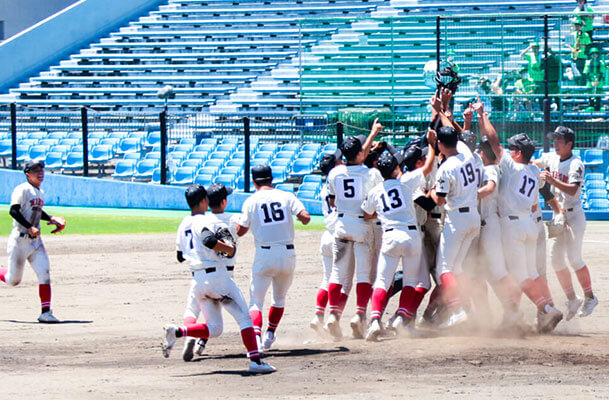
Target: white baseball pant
x=275, y=266
x=351, y=247
x=375, y=247
x=404, y=245
x=325, y=249
x=460, y=229
x=22, y=248
x=540, y=248
x=431, y=239
x=519, y=243
x=571, y=241
x=491, y=255
x=209, y=292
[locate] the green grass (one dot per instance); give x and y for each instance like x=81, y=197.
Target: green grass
x=102, y=221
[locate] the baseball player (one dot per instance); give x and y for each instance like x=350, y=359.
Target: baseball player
x=518, y=188
x=211, y=287
x=457, y=189
x=25, y=243
x=347, y=186
x=565, y=173
x=392, y=202
x=268, y=212
x=217, y=195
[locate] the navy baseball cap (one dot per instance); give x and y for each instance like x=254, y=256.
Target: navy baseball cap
x=30, y=165
x=412, y=155
x=328, y=161
x=448, y=135
x=564, y=133
x=217, y=192
x=262, y=173
x=387, y=163
x=522, y=142
x=194, y=194
x=470, y=139
x=352, y=145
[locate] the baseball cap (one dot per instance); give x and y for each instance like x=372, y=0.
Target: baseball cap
x=469, y=138
x=522, y=142
x=487, y=149
x=328, y=161
x=447, y=135
x=217, y=192
x=420, y=142
x=194, y=194
x=412, y=155
x=564, y=133
x=386, y=164
x=352, y=145
x=30, y=165
x=261, y=173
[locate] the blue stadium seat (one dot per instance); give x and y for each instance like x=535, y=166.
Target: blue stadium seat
x=145, y=168
x=22, y=152
x=306, y=194
x=235, y=163
x=312, y=178
x=53, y=160
x=132, y=156
x=230, y=139
x=129, y=145
x=124, y=169
x=48, y=142
x=228, y=147
x=73, y=161
x=69, y=142
x=280, y=162
x=183, y=176
x=209, y=170
x=109, y=141
x=141, y=135
x=204, y=179
x=101, y=154
x=590, y=185
x=176, y=156
x=219, y=155
x=226, y=180
x=307, y=154
x=264, y=155
x=259, y=161
x=288, y=155
x=316, y=147
x=75, y=135
x=97, y=135
x=186, y=148
x=153, y=155
x=210, y=141
x=302, y=167
x=57, y=135
x=593, y=158
x=193, y=162
x=329, y=148
x=214, y=163
x=596, y=194
x=603, y=142
x=577, y=153
x=36, y=135
x=280, y=174
x=271, y=147
x=198, y=155
x=239, y=155
x=156, y=176
x=192, y=141
x=594, y=176
x=37, y=152
x=207, y=148
x=153, y=138
x=118, y=135
x=27, y=142
x=6, y=148
x=310, y=186
x=286, y=187
x=598, y=204
x=231, y=171
x=291, y=147
x=61, y=148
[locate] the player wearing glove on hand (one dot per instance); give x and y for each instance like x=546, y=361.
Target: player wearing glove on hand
x=565, y=173
x=24, y=242
x=211, y=287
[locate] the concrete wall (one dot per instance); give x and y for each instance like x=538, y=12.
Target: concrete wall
x=19, y=15
x=65, y=190
x=56, y=37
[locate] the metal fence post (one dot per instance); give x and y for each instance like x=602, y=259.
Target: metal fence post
x=246, y=145
x=339, y=134
x=163, y=123
x=14, y=135
x=546, y=99
x=437, y=44
x=85, y=141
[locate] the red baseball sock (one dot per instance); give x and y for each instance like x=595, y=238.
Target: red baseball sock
x=362, y=290
x=564, y=277
x=378, y=299
x=249, y=340
x=275, y=314
x=190, y=321
x=3, y=272
x=406, y=297
x=256, y=316
x=322, y=301
x=533, y=293
x=45, y=296
x=542, y=283
x=450, y=290
x=334, y=296
x=196, y=330
x=342, y=301
x=419, y=293
x=583, y=276
x=386, y=299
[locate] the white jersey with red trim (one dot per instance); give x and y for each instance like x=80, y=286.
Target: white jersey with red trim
x=570, y=170
x=31, y=201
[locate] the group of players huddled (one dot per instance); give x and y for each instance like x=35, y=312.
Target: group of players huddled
x=453, y=209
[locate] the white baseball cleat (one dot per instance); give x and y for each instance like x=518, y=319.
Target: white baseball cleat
x=317, y=323
x=510, y=319
x=573, y=306
x=200, y=346
x=456, y=318
x=547, y=321
x=262, y=368
x=189, y=345
x=47, y=317
x=333, y=326
x=374, y=330
x=589, y=304
x=269, y=339
x=170, y=339
x=358, y=326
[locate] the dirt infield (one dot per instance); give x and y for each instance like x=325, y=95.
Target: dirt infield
x=116, y=292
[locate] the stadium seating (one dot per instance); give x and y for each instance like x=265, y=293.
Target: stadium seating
x=204, y=179
x=125, y=169
x=183, y=176
x=74, y=161
x=53, y=161
x=144, y=169
x=598, y=204
x=286, y=187
x=593, y=158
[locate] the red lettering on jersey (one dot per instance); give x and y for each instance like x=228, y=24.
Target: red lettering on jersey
x=558, y=176
x=36, y=202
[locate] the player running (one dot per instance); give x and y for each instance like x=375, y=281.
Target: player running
x=211, y=287
x=25, y=243
x=268, y=213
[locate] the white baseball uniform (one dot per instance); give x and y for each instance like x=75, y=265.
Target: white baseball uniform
x=20, y=247
x=571, y=240
x=268, y=213
x=518, y=191
x=432, y=223
x=471, y=264
x=458, y=181
x=349, y=185
x=392, y=201
x=212, y=286
x=327, y=238
x=540, y=245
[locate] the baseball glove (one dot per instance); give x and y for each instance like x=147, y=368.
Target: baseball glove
x=224, y=235
x=556, y=226
x=59, y=222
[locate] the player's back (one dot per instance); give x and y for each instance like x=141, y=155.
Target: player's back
x=327, y=210
x=518, y=188
x=189, y=241
x=268, y=213
x=350, y=184
x=458, y=179
x=392, y=200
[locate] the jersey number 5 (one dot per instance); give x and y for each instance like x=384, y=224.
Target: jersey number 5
x=349, y=188
x=272, y=212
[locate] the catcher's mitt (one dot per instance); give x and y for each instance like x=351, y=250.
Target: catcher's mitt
x=224, y=235
x=556, y=226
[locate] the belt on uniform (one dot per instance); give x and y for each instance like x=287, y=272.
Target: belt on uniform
x=435, y=215
x=340, y=215
x=569, y=209
x=464, y=209
x=26, y=235
x=209, y=270
x=410, y=227
x=538, y=219
x=287, y=246
x=513, y=217
x=378, y=223
x=482, y=223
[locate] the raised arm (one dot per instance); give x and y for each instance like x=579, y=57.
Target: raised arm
x=376, y=128
x=487, y=129
x=431, y=152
